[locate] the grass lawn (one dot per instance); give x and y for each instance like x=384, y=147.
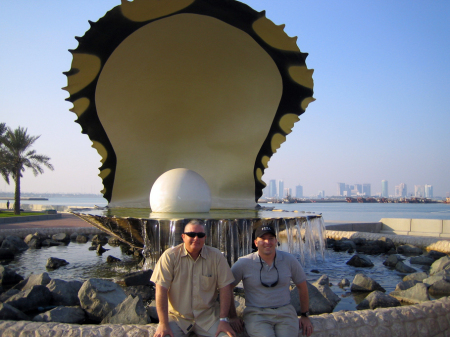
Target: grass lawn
x=8, y=214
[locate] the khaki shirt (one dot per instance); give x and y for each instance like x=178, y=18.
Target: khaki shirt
x=193, y=285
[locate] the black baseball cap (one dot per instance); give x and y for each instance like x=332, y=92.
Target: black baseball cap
x=260, y=231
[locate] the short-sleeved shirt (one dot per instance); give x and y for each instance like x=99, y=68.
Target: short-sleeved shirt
x=248, y=270
x=193, y=285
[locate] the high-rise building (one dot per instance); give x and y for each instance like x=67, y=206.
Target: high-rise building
x=340, y=189
x=321, y=194
x=299, y=191
x=272, y=188
x=401, y=191
x=384, y=189
x=419, y=191
x=287, y=192
x=428, y=191
x=366, y=190
x=280, y=189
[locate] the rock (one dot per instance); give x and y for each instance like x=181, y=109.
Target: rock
x=29, y=237
x=315, y=271
x=432, y=254
x=318, y=304
x=419, y=276
x=112, y=259
x=146, y=293
x=377, y=299
x=65, y=292
x=73, y=236
x=73, y=315
x=359, y=241
x=344, y=245
x=8, y=276
x=362, y=283
x=239, y=303
x=403, y=268
x=360, y=260
x=435, y=278
x=8, y=294
x=35, y=243
x=61, y=237
x=14, y=243
x=99, y=239
x=445, y=272
x=51, y=243
x=136, y=278
x=422, y=260
x=98, y=297
x=406, y=284
x=392, y=260
x=8, y=312
x=31, y=299
x=322, y=284
x=6, y=254
x=385, y=243
x=55, y=263
x=130, y=311
x=81, y=239
x=151, y=310
x=101, y=250
x=441, y=287
x=416, y=294
x=391, y=251
x=442, y=264
x=409, y=250
x=344, y=283
x=92, y=248
x=33, y=280
x=113, y=241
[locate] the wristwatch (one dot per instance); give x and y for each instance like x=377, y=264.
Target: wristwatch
x=304, y=314
x=224, y=319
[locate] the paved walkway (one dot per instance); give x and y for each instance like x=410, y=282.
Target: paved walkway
x=66, y=220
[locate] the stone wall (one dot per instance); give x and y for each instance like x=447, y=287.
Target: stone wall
x=431, y=319
x=23, y=232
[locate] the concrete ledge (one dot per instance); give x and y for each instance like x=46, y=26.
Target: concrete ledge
x=371, y=227
x=23, y=232
x=30, y=218
x=430, y=318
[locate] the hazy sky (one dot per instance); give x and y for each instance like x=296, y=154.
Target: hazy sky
x=382, y=84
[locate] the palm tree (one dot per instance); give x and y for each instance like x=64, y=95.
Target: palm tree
x=17, y=155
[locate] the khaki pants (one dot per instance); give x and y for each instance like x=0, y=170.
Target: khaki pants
x=177, y=332
x=266, y=322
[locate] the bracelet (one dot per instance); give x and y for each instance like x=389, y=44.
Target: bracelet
x=224, y=319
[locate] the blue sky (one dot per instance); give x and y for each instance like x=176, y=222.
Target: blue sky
x=381, y=79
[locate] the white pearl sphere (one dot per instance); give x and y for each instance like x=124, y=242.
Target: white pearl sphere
x=180, y=191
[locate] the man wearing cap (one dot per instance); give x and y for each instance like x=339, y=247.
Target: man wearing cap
x=188, y=279
x=266, y=275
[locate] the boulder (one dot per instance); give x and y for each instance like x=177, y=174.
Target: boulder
x=61, y=237
x=112, y=259
x=441, y=287
x=33, y=280
x=422, y=260
x=239, y=303
x=55, y=263
x=6, y=254
x=392, y=260
x=130, y=311
x=113, y=241
x=51, y=243
x=146, y=293
x=344, y=245
x=318, y=304
x=322, y=284
x=100, y=249
x=35, y=243
x=14, y=243
x=344, y=283
x=409, y=250
x=153, y=315
x=429, y=281
x=81, y=238
x=98, y=297
x=419, y=276
x=72, y=315
x=377, y=299
x=406, y=284
x=31, y=299
x=92, y=248
x=29, y=237
x=360, y=260
x=362, y=283
x=385, y=243
x=435, y=255
x=416, y=294
x=7, y=294
x=65, y=292
x=442, y=264
x=99, y=239
x=8, y=276
x=403, y=268
x=73, y=236
x=137, y=278
x=8, y=312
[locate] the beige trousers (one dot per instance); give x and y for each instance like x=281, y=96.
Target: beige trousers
x=177, y=332
x=266, y=322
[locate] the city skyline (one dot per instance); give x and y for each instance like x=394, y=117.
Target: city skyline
x=380, y=83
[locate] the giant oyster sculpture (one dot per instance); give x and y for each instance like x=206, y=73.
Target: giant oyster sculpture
x=210, y=86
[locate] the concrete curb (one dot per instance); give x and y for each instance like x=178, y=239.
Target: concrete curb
x=29, y=218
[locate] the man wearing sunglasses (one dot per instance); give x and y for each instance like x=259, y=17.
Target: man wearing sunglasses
x=188, y=279
x=266, y=275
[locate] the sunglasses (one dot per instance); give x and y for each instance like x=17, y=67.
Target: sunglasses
x=194, y=234
x=260, y=277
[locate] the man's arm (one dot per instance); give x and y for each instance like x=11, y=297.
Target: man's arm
x=304, y=322
x=162, y=308
x=235, y=321
x=225, y=298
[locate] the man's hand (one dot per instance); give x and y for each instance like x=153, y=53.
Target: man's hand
x=237, y=324
x=225, y=327
x=306, y=326
x=163, y=331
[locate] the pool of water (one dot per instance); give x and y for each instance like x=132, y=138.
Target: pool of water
x=85, y=264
